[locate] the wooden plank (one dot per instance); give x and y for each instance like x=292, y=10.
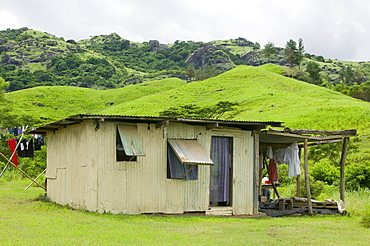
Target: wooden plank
x=350, y=132
x=322, y=142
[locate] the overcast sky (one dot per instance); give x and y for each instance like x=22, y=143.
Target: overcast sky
x=337, y=29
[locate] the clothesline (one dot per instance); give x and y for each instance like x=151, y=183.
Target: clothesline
x=13, y=154
x=289, y=156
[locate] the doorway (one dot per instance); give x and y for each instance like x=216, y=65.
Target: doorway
x=221, y=171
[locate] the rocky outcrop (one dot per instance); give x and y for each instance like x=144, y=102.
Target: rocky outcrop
x=8, y=60
x=212, y=56
x=156, y=46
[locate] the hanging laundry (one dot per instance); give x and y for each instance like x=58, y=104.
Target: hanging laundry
x=13, y=145
x=272, y=168
x=25, y=148
x=279, y=156
x=292, y=159
x=290, y=156
x=15, y=131
x=39, y=141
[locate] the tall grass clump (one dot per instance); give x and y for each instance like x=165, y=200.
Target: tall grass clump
x=365, y=220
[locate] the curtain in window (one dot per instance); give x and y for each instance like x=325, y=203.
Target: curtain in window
x=176, y=169
x=220, y=171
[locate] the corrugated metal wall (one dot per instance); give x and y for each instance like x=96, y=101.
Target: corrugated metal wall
x=83, y=172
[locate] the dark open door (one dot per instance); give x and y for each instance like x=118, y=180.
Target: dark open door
x=221, y=154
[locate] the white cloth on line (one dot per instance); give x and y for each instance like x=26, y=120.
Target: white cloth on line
x=290, y=156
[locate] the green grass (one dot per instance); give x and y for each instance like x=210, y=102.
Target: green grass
x=262, y=95
x=27, y=220
x=57, y=102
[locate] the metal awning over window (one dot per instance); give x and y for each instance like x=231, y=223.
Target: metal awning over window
x=131, y=141
x=189, y=151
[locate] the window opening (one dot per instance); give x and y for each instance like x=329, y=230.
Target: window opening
x=183, y=158
x=128, y=143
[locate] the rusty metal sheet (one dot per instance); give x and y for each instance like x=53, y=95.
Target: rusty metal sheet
x=131, y=140
x=189, y=151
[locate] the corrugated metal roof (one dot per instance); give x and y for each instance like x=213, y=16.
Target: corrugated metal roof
x=131, y=141
x=189, y=151
x=209, y=123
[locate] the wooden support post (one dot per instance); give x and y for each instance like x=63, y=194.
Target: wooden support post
x=257, y=166
x=23, y=172
x=308, y=190
x=298, y=188
x=188, y=171
x=36, y=179
x=342, y=168
x=260, y=176
x=298, y=179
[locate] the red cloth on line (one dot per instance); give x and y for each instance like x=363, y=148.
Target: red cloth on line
x=272, y=171
x=13, y=145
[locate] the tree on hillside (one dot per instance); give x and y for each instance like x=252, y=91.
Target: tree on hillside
x=269, y=49
x=3, y=85
x=190, y=71
x=290, y=51
x=346, y=75
x=300, y=51
x=313, y=69
x=294, y=54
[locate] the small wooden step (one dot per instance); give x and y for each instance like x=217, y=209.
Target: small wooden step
x=220, y=211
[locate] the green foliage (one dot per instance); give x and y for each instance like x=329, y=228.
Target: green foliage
x=347, y=75
x=332, y=152
x=269, y=49
x=3, y=85
x=190, y=71
x=358, y=175
x=205, y=73
x=365, y=220
x=294, y=53
x=325, y=171
x=361, y=91
x=12, y=34
x=314, y=70
x=284, y=180
x=320, y=58
x=196, y=112
x=316, y=187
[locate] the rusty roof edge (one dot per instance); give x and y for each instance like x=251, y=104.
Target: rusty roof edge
x=74, y=119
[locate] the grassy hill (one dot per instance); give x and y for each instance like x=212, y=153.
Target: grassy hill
x=259, y=92
x=30, y=58
x=261, y=95
x=50, y=103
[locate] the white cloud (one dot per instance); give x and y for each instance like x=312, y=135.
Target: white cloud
x=8, y=20
x=332, y=28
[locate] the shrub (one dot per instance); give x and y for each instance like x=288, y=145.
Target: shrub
x=358, y=175
x=365, y=220
x=325, y=171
